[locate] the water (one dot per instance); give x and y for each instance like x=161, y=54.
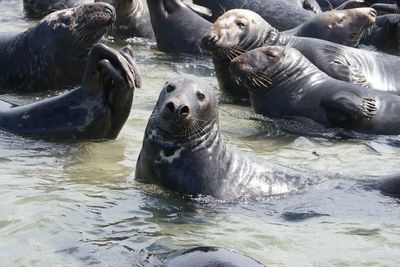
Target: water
x=77, y=204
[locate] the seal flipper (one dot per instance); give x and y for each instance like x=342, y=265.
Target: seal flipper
x=200, y=10
x=312, y=5
x=343, y=108
x=343, y=70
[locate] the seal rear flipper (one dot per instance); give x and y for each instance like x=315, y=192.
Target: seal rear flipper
x=312, y=5
x=342, y=108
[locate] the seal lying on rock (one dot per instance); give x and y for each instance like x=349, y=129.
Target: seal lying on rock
x=242, y=30
x=52, y=55
x=183, y=150
x=97, y=109
x=283, y=83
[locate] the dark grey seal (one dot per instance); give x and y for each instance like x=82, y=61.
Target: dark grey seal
x=242, y=30
x=283, y=83
x=184, y=151
x=97, y=109
x=178, y=28
x=52, y=55
x=210, y=257
x=282, y=14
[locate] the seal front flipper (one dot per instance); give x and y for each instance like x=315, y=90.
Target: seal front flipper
x=341, y=69
x=343, y=108
x=200, y=10
x=312, y=5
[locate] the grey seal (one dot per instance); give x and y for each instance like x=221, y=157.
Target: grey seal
x=97, y=109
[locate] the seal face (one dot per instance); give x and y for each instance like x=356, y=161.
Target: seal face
x=178, y=29
x=52, y=54
x=363, y=67
x=37, y=9
x=210, y=257
x=283, y=83
x=184, y=151
x=97, y=109
x=283, y=14
x=345, y=27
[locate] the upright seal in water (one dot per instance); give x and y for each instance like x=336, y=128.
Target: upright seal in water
x=210, y=257
x=97, y=109
x=183, y=150
x=282, y=14
x=239, y=30
x=52, y=55
x=283, y=83
x=178, y=29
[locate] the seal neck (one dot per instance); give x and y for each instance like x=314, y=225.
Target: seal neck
x=298, y=74
x=159, y=136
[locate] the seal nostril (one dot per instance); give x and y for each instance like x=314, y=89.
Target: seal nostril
x=373, y=13
x=170, y=106
x=184, y=111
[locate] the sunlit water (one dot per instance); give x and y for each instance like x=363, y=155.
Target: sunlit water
x=77, y=204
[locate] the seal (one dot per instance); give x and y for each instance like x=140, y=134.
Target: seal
x=37, y=9
x=178, y=29
x=283, y=83
x=210, y=257
x=283, y=14
x=242, y=30
x=346, y=27
x=184, y=151
x=133, y=19
x=52, y=54
x=390, y=185
x=97, y=109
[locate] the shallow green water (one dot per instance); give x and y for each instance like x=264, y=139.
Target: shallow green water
x=75, y=204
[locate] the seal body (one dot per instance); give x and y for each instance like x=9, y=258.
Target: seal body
x=242, y=30
x=97, y=109
x=183, y=150
x=283, y=14
x=133, y=19
x=178, y=29
x=283, y=83
x=52, y=55
x=210, y=257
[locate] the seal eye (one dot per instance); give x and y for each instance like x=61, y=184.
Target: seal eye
x=200, y=96
x=340, y=21
x=170, y=88
x=240, y=24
